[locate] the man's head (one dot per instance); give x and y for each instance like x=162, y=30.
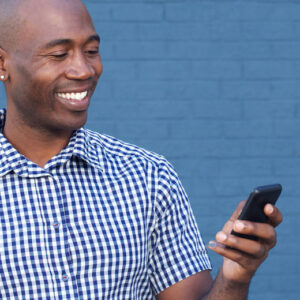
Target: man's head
x=50, y=60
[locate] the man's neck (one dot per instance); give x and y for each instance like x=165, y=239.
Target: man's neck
x=36, y=145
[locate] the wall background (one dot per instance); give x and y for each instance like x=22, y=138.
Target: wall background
x=213, y=86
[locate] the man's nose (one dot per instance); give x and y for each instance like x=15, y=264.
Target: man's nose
x=80, y=68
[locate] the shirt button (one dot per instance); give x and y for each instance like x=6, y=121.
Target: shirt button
x=65, y=277
x=56, y=225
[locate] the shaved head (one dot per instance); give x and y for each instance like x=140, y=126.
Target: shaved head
x=10, y=23
x=12, y=18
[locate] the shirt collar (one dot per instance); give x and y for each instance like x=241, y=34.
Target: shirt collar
x=81, y=145
x=89, y=149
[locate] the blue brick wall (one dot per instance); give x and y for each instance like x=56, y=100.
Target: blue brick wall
x=214, y=86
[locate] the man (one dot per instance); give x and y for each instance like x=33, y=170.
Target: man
x=83, y=215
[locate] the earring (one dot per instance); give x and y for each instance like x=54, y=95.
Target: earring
x=2, y=77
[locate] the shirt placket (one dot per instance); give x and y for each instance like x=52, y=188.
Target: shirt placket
x=52, y=207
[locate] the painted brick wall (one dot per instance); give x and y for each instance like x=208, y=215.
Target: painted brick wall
x=213, y=86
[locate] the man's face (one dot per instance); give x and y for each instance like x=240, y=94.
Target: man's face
x=54, y=69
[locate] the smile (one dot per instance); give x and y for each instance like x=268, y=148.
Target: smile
x=73, y=96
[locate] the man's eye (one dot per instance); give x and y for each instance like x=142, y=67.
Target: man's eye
x=92, y=52
x=61, y=55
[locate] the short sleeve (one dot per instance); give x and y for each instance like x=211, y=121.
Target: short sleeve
x=177, y=249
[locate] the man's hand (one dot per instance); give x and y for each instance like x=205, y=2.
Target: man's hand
x=242, y=257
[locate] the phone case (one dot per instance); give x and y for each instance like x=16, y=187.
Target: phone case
x=254, y=207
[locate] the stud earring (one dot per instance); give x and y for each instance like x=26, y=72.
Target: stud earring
x=2, y=77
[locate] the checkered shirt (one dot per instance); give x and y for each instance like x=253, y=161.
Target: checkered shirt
x=102, y=220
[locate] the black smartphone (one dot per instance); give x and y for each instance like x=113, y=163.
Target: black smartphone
x=254, y=207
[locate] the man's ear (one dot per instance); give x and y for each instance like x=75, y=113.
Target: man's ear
x=3, y=65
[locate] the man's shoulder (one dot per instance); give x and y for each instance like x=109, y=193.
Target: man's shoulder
x=119, y=149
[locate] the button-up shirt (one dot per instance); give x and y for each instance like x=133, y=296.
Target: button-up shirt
x=103, y=219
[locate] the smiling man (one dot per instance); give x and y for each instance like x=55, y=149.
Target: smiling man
x=84, y=215
x=51, y=70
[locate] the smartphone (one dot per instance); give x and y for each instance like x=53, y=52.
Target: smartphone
x=254, y=207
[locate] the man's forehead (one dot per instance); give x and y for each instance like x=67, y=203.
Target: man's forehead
x=56, y=19
x=30, y=24
x=44, y=7
x=15, y=5
x=49, y=12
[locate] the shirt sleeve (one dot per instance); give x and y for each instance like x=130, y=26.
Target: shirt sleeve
x=177, y=249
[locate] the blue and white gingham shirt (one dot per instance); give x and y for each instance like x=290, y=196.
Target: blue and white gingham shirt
x=102, y=220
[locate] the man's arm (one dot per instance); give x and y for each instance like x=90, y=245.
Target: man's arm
x=242, y=257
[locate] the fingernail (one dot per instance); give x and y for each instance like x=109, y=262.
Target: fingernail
x=239, y=226
x=270, y=208
x=221, y=236
x=212, y=244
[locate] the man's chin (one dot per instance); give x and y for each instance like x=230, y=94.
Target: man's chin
x=72, y=123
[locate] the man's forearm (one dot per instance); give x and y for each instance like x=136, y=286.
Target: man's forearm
x=227, y=290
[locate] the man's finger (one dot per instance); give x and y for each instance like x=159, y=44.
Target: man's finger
x=274, y=214
x=263, y=231
x=239, y=257
x=229, y=224
x=246, y=246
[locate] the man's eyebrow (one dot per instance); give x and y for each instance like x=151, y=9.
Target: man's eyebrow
x=94, y=37
x=58, y=42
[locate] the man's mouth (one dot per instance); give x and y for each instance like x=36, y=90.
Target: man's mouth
x=73, y=96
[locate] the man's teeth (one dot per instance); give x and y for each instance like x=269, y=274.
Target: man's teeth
x=73, y=96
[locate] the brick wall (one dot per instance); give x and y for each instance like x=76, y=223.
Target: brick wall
x=213, y=86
